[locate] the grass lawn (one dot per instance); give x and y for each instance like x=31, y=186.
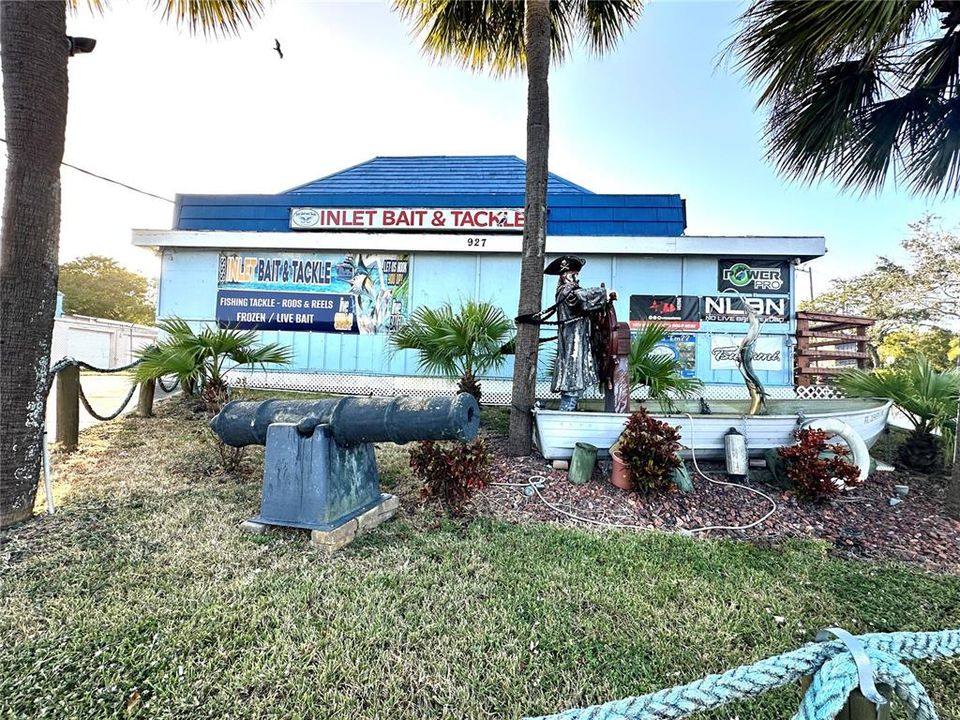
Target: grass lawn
x=140, y=598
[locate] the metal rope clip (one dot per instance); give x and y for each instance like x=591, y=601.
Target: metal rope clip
x=864, y=666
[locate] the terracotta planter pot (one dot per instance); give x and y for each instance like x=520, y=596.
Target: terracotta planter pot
x=620, y=474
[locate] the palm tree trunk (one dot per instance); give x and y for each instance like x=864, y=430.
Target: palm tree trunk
x=33, y=51
x=537, y=39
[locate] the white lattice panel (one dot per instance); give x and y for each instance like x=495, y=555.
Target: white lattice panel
x=495, y=391
x=818, y=392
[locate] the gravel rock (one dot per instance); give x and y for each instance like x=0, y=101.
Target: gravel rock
x=860, y=523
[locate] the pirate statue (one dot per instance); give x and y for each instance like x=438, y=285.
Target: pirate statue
x=580, y=319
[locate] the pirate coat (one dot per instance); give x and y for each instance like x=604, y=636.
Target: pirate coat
x=576, y=368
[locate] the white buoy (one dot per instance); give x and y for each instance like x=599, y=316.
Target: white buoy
x=735, y=451
x=858, y=448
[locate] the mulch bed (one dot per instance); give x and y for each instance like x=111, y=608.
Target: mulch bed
x=858, y=524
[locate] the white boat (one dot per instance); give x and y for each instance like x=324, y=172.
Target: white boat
x=557, y=431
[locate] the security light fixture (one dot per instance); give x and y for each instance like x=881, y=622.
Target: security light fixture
x=77, y=45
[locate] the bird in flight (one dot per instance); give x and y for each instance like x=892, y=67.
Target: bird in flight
x=277, y=48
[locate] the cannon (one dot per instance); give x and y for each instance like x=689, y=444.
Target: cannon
x=320, y=468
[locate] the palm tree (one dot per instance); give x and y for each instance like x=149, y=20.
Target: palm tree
x=202, y=359
x=33, y=50
x=658, y=373
x=504, y=37
x=858, y=90
x=464, y=343
x=928, y=399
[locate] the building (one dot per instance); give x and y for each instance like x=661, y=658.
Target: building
x=330, y=267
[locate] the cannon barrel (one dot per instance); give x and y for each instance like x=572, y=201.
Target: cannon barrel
x=353, y=420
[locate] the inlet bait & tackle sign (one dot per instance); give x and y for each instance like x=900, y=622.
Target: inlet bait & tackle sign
x=356, y=293
x=506, y=220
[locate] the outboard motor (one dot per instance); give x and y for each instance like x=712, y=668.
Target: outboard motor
x=735, y=451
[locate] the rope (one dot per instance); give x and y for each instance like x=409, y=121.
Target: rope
x=105, y=418
x=833, y=668
x=66, y=362
x=701, y=473
x=539, y=481
x=72, y=362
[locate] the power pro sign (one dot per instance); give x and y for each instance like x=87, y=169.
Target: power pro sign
x=770, y=277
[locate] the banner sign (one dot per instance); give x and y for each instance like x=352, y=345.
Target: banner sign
x=767, y=352
x=730, y=308
x=355, y=293
x=769, y=277
x=679, y=312
x=398, y=218
x=683, y=350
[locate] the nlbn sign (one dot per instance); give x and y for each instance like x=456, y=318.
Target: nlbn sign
x=731, y=309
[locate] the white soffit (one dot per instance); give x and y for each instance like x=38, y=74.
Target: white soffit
x=802, y=247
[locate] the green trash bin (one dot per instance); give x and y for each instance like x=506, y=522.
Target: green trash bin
x=582, y=463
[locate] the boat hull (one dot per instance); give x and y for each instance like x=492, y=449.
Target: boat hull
x=557, y=431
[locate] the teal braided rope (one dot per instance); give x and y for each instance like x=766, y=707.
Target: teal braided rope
x=746, y=681
x=834, y=681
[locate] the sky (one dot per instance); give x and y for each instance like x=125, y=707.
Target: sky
x=161, y=110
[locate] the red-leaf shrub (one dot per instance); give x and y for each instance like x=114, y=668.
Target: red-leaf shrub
x=814, y=476
x=649, y=449
x=451, y=471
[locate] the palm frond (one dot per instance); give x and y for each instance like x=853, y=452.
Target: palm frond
x=489, y=34
x=604, y=22
x=450, y=342
x=658, y=373
x=269, y=354
x=211, y=17
x=646, y=339
x=857, y=92
x=200, y=358
x=94, y=6
x=781, y=45
x=927, y=397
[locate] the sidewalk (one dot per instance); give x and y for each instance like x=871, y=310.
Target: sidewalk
x=105, y=393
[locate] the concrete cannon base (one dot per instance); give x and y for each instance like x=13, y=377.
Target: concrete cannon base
x=345, y=533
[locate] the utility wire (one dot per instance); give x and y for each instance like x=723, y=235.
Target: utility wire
x=110, y=180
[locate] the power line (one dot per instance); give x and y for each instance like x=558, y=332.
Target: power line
x=110, y=180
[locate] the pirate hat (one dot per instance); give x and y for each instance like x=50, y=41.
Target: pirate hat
x=565, y=263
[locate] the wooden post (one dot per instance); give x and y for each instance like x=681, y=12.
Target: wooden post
x=68, y=408
x=145, y=398
x=858, y=707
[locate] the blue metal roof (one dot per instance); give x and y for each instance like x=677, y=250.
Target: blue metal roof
x=460, y=174
x=567, y=213
x=439, y=181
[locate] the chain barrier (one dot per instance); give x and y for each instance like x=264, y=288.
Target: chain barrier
x=80, y=364
x=73, y=362
x=168, y=389
x=105, y=418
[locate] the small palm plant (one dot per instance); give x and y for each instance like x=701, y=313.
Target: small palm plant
x=202, y=359
x=658, y=372
x=461, y=343
x=927, y=397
